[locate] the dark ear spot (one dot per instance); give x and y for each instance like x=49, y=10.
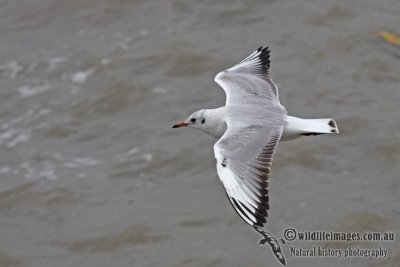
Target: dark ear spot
x=203, y=121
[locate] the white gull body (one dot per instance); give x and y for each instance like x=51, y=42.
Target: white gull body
x=249, y=128
x=295, y=127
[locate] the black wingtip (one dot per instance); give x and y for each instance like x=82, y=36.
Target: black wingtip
x=264, y=56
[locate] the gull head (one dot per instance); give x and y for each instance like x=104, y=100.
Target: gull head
x=196, y=120
x=209, y=121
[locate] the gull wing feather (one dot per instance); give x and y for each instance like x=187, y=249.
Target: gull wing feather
x=255, y=120
x=249, y=80
x=244, y=157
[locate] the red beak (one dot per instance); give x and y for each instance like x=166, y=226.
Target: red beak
x=180, y=124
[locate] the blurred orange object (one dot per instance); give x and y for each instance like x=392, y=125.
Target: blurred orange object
x=390, y=37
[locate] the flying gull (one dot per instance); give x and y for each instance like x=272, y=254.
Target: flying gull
x=249, y=127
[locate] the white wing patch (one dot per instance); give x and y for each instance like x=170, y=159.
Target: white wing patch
x=244, y=167
x=249, y=78
x=236, y=193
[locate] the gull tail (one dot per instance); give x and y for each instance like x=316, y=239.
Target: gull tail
x=298, y=127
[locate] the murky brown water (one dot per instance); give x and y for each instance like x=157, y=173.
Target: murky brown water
x=93, y=175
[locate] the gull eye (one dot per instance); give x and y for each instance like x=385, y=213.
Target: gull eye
x=193, y=120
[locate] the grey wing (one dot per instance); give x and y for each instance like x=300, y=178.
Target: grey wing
x=249, y=80
x=255, y=121
x=244, y=156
